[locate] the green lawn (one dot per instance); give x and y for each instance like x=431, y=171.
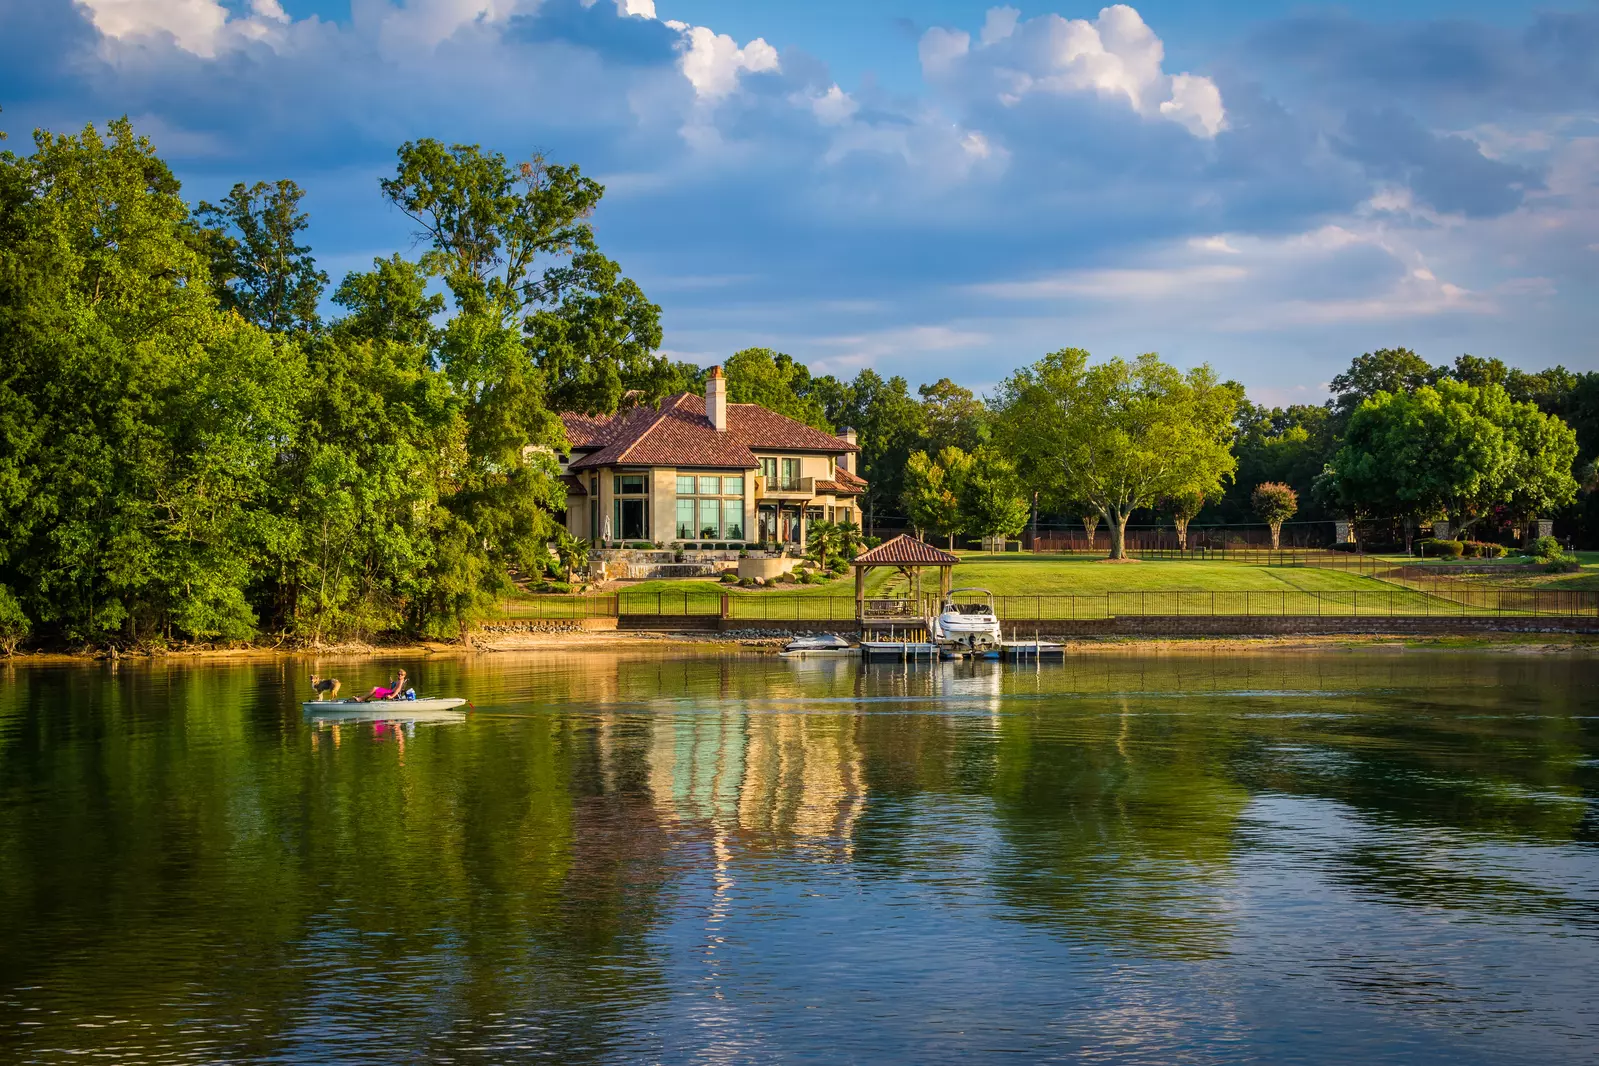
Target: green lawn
x=1029, y=575
x=1026, y=586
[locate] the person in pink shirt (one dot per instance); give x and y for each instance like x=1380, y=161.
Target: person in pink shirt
x=390, y=693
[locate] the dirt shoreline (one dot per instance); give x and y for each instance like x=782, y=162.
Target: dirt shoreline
x=500, y=644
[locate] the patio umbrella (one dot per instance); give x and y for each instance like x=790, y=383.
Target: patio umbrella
x=605, y=528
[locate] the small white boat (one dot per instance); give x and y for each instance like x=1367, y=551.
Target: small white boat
x=441, y=708
x=820, y=644
x=967, y=621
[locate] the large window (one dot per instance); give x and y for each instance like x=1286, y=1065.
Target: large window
x=710, y=507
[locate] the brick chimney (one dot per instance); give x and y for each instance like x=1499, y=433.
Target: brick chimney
x=846, y=435
x=716, y=399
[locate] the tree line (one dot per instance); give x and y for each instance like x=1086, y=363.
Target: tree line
x=1401, y=444
x=189, y=450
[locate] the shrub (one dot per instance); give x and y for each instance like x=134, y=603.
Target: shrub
x=1484, y=549
x=14, y=624
x=1566, y=564
x=1442, y=549
x=730, y=577
x=803, y=578
x=1344, y=546
x=562, y=587
x=746, y=582
x=1547, y=549
x=1469, y=548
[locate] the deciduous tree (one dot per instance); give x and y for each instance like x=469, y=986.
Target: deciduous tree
x=1275, y=503
x=1118, y=435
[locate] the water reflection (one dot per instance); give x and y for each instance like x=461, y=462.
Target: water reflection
x=639, y=857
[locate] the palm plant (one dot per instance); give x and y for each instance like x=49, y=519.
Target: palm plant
x=572, y=552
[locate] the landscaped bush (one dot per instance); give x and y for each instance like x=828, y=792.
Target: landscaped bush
x=1566, y=564
x=746, y=582
x=1344, y=546
x=562, y=587
x=803, y=577
x=1442, y=549
x=1547, y=548
x=1482, y=549
x=730, y=577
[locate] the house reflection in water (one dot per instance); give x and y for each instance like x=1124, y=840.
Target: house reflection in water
x=765, y=777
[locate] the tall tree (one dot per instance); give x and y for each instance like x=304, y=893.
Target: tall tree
x=952, y=416
x=890, y=423
x=257, y=265
x=1387, y=370
x=133, y=502
x=488, y=224
x=598, y=339
x=776, y=382
x=390, y=302
x=1451, y=450
x=993, y=500
x=934, y=491
x=1118, y=435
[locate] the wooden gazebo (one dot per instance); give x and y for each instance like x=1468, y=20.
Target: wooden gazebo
x=905, y=553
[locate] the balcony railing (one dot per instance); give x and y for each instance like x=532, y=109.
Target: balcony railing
x=767, y=487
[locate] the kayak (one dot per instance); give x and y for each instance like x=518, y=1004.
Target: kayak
x=379, y=710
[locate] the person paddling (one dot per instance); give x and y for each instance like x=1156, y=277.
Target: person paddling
x=391, y=693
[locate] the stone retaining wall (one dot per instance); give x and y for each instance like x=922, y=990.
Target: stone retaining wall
x=549, y=625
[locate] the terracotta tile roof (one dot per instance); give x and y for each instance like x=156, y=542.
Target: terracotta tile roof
x=844, y=483
x=574, y=485
x=678, y=434
x=905, y=550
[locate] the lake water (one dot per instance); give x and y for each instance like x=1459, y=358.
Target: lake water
x=1372, y=856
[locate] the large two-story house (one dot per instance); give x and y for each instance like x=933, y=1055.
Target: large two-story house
x=699, y=470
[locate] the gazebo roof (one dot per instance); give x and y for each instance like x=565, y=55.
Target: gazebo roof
x=905, y=550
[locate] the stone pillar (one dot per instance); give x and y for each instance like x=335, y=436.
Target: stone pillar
x=1440, y=530
x=1343, y=532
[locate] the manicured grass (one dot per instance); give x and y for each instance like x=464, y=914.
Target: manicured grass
x=1027, y=586
x=1047, y=575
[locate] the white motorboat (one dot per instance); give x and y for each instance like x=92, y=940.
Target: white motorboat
x=820, y=644
x=967, y=621
x=440, y=709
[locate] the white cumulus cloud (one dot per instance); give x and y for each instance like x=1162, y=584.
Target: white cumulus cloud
x=1117, y=55
x=713, y=61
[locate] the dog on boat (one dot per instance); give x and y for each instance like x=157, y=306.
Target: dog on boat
x=326, y=688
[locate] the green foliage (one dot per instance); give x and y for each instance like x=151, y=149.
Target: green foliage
x=933, y=491
x=776, y=382
x=993, y=501
x=257, y=268
x=1387, y=370
x=952, y=417
x=1275, y=503
x=1547, y=548
x=598, y=339
x=1442, y=549
x=172, y=470
x=14, y=623
x=142, y=425
x=1118, y=436
x=1452, y=449
x=389, y=303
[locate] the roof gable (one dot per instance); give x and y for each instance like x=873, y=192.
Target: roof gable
x=677, y=433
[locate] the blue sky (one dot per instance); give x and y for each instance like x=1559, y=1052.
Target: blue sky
x=937, y=188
